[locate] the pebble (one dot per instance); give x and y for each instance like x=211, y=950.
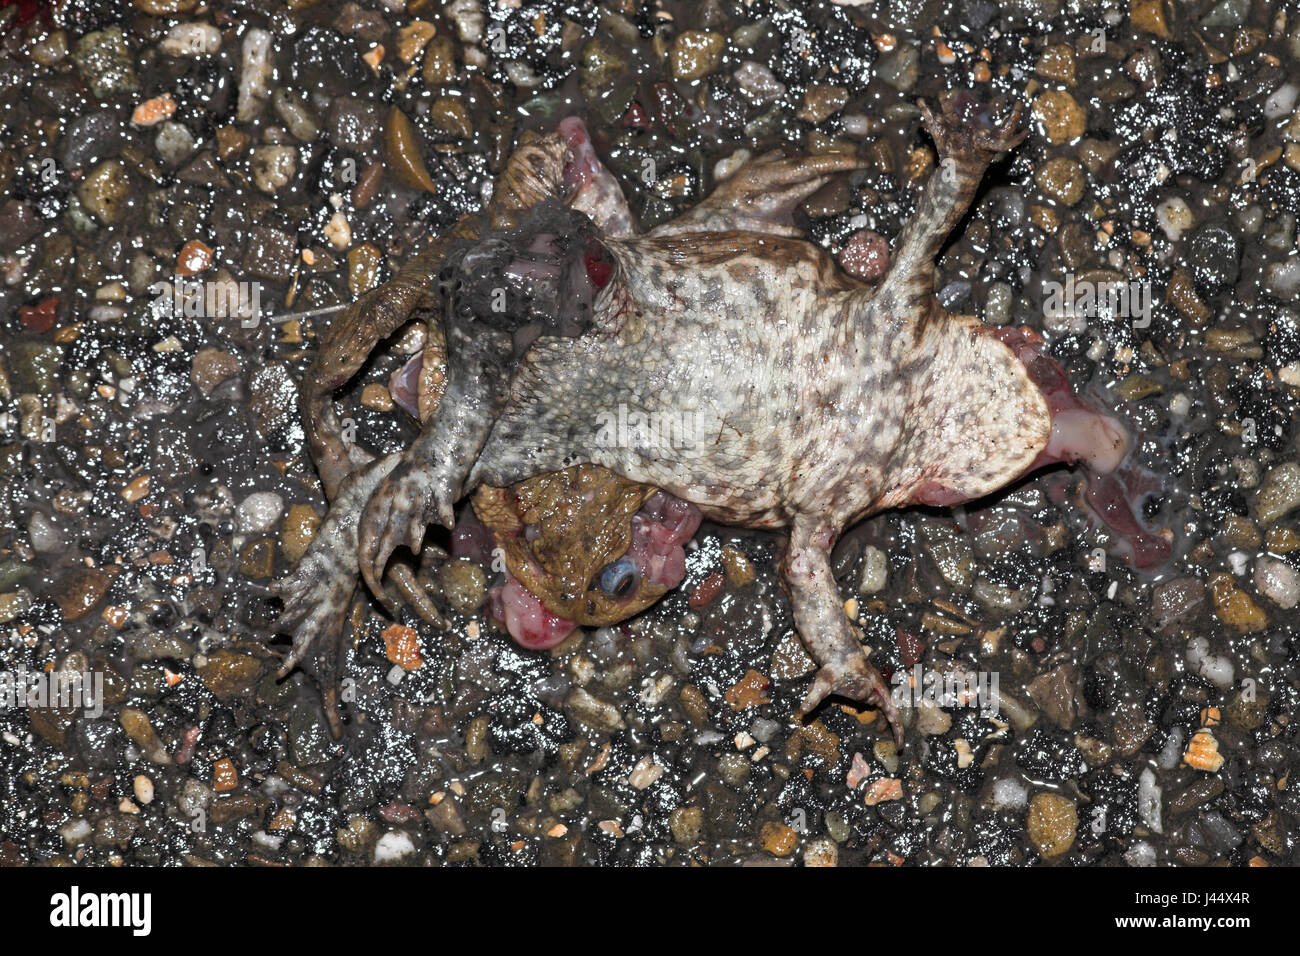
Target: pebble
x=687, y=825
x=80, y=591
x=865, y=255
x=191, y=40
x=875, y=570
x=229, y=674
x=106, y=191
x=696, y=53
x=821, y=852
x=463, y=584
x=900, y=69
x=138, y=728
x=821, y=102
x=174, y=142
x=1140, y=853
x=1279, y=493
x=1148, y=801
x=106, y=63
x=1061, y=116
x=273, y=167
x=1216, y=668
x=295, y=115
x=255, y=69
x=1010, y=793
x=259, y=512
x=777, y=838
x=142, y=786
x=757, y=82
x=211, y=367
x=1277, y=581
x=1061, y=179
x=393, y=847
x=1235, y=607
x=1053, y=823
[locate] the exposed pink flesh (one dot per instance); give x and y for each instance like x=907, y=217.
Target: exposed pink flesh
x=584, y=165
x=529, y=623
x=659, y=530
x=1080, y=432
x=404, y=385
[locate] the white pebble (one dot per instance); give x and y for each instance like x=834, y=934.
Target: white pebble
x=1174, y=217
x=191, y=39
x=1171, y=754
x=468, y=18
x=1278, y=582
x=75, y=830
x=1149, y=794
x=337, y=231
x=259, y=512
x=875, y=571
x=1215, y=668
x=143, y=788
x=254, y=74
x=1281, y=101
x=1140, y=853
x=1010, y=793
x=393, y=846
x=757, y=82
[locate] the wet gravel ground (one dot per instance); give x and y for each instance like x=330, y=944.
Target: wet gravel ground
x=153, y=478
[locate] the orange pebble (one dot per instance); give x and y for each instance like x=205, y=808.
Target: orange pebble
x=224, y=775
x=154, y=111
x=194, y=257
x=402, y=645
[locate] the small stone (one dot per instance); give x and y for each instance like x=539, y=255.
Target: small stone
x=463, y=584
x=257, y=559
x=875, y=570
x=1149, y=17
x=296, y=533
x=210, y=368
x=363, y=268
x=821, y=102
x=297, y=118
x=900, y=69
x=106, y=63
x=687, y=825
x=1279, y=494
x=865, y=255
x=393, y=847
x=1234, y=606
x=191, y=40
x=229, y=675
x=378, y=397
x=338, y=232
x=737, y=567
x=106, y=191
x=1278, y=582
x=1053, y=823
x=696, y=53
x=758, y=83
x=821, y=852
x=1203, y=752
x=883, y=790
x=1061, y=179
x=1057, y=64
x=140, y=731
x=439, y=62
x=777, y=838
x=273, y=167
x=449, y=116
x=1061, y=116
x=81, y=591
x=142, y=786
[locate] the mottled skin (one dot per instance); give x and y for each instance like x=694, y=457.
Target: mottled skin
x=820, y=400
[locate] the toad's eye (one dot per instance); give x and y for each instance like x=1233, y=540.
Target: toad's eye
x=619, y=578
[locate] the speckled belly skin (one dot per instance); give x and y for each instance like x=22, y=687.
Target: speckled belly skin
x=813, y=399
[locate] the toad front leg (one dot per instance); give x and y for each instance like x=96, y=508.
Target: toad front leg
x=820, y=619
x=968, y=140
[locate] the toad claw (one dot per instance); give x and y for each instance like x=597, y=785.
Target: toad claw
x=966, y=131
x=315, y=601
x=398, y=513
x=855, y=680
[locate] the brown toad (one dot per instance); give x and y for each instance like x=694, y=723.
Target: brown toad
x=815, y=399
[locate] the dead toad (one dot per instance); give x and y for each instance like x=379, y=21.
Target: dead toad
x=814, y=399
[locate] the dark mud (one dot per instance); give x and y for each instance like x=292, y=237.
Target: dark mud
x=153, y=478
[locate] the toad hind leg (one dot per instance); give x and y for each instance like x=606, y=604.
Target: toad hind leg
x=820, y=619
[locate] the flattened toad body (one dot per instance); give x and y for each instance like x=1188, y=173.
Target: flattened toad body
x=813, y=399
